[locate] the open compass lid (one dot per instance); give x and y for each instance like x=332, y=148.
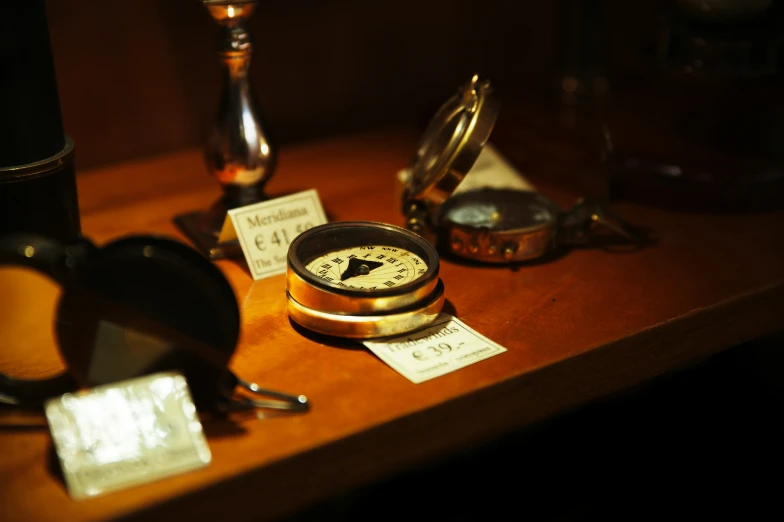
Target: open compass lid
x=452, y=142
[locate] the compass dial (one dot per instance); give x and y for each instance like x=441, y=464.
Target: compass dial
x=368, y=267
x=362, y=279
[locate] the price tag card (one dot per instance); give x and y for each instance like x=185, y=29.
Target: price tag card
x=119, y=435
x=445, y=346
x=266, y=229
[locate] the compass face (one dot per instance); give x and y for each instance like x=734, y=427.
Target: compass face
x=368, y=267
x=362, y=279
x=499, y=209
x=362, y=260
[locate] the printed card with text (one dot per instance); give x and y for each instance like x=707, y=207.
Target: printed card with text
x=445, y=346
x=130, y=432
x=265, y=230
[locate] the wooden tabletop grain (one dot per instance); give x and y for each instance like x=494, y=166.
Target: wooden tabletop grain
x=586, y=324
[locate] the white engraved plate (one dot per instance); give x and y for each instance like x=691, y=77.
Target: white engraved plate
x=127, y=433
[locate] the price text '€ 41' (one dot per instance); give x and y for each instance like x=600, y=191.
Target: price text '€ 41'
x=265, y=230
x=274, y=240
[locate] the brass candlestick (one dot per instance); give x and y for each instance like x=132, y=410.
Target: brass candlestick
x=238, y=153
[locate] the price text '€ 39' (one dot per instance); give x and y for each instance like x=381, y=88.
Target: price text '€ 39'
x=447, y=345
x=432, y=346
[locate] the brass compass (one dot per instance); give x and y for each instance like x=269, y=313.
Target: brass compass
x=362, y=279
x=490, y=225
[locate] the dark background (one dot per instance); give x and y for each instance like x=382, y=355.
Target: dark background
x=702, y=443
x=141, y=78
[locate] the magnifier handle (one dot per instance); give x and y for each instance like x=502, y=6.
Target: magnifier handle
x=274, y=400
x=282, y=401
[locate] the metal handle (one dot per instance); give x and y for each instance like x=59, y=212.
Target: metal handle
x=578, y=224
x=275, y=400
x=282, y=401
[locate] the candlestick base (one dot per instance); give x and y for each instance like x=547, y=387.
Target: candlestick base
x=206, y=242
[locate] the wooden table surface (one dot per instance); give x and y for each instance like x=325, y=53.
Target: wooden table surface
x=587, y=324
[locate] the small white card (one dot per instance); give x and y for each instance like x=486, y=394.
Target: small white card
x=494, y=171
x=265, y=230
x=443, y=347
x=118, y=435
x=490, y=171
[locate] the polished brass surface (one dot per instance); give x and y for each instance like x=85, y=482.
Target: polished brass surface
x=498, y=225
x=225, y=11
x=451, y=143
x=506, y=246
x=509, y=244
x=369, y=326
x=321, y=299
x=359, y=312
x=238, y=153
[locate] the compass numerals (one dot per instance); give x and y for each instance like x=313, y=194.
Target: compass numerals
x=368, y=267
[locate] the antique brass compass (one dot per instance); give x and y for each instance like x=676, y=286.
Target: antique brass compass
x=491, y=225
x=361, y=279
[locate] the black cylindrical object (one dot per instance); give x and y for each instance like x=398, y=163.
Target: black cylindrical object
x=37, y=176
